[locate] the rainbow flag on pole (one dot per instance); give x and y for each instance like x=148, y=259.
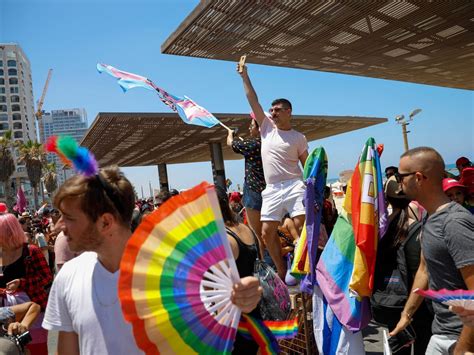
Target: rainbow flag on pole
x=346, y=266
x=365, y=204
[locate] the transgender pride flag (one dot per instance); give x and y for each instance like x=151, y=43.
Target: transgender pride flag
x=188, y=110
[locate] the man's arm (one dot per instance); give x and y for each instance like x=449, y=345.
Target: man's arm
x=252, y=96
x=303, y=158
x=466, y=339
x=414, y=300
x=230, y=137
x=68, y=343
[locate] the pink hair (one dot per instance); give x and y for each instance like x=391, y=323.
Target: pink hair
x=11, y=233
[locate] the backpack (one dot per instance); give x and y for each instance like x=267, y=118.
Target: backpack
x=392, y=281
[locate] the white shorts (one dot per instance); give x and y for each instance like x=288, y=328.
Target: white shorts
x=281, y=198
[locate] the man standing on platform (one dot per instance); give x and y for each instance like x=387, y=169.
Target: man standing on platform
x=282, y=149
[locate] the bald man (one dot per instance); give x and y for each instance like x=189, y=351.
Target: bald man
x=447, y=249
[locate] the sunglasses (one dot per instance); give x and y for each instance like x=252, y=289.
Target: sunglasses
x=399, y=177
x=277, y=109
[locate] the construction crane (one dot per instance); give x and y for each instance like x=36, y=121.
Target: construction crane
x=39, y=106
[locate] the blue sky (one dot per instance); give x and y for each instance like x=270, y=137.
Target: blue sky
x=72, y=36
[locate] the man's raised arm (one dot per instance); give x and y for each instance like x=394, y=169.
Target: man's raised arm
x=251, y=96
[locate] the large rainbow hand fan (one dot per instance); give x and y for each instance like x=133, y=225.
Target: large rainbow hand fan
x=176, y=278
x=462, y=298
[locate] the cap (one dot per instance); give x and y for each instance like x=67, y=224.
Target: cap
x=467, y=179
x=3, y=208
x=26, y=215
x=449, y=183
x=462, y=161
x=393, y=189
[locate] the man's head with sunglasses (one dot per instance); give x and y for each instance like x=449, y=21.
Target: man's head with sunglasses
x=420, y=174
x=281, y=113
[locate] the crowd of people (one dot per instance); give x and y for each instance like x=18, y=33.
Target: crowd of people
x=81, y=240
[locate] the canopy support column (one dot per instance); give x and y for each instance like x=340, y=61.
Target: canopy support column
x=163, y=177
x=217, y=160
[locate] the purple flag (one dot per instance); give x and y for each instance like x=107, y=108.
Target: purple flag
x=20, y=201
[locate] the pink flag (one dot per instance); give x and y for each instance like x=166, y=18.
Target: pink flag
x=20, y=201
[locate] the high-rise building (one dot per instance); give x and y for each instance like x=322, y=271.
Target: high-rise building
x=66, y=122
x=16, y=104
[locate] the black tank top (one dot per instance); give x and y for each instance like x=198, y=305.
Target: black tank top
x=247, y=255
x=15, y=270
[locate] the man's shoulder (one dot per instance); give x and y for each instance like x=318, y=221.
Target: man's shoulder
x=78, y=263
x=458, y=213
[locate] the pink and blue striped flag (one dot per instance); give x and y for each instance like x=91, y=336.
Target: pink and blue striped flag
x=188, y=110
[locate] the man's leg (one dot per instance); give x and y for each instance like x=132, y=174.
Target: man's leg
x=272, y=243
x=253, y=217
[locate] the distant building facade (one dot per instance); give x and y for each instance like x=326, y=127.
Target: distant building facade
x=65, y=122
x=16, y=106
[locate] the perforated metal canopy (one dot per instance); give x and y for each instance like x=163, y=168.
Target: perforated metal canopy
x=428, y=42
x=140, y=139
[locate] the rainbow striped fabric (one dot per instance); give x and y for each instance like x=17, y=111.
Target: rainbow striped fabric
x=281, y=329
x=188, y=110
x=260, y=333
x=365, y=204
x=345, y=269
x=333, y=274
x=315, y=173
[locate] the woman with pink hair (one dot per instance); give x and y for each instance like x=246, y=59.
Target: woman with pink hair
x=24, y=276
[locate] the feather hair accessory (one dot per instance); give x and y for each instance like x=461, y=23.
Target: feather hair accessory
x=80, y=158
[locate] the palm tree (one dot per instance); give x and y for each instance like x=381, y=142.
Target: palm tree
x=50, y=178
x=33, y=155
x=7, y=165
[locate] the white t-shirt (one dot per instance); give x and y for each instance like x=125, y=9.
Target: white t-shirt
x=84, y=300
x=280, y=152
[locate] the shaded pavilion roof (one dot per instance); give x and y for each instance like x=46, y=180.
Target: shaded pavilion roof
x=141, y=139
x=416, y=41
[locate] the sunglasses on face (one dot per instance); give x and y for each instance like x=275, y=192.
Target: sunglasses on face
x=277, y=109
x=400, y=176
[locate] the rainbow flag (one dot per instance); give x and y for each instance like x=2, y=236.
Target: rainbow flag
x=365, y=204
x=333, y=274
x=188, y=110
x=281, y=329
x=315, y=173
x=261, y=334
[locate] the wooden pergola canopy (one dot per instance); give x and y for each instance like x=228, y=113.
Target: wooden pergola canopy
x=141, y=139
x=416, y=41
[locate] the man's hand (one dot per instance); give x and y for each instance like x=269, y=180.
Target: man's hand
x=466, y=315
x=247, y=294
x=404, y=321
x=16, y=328
x=243, y=73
